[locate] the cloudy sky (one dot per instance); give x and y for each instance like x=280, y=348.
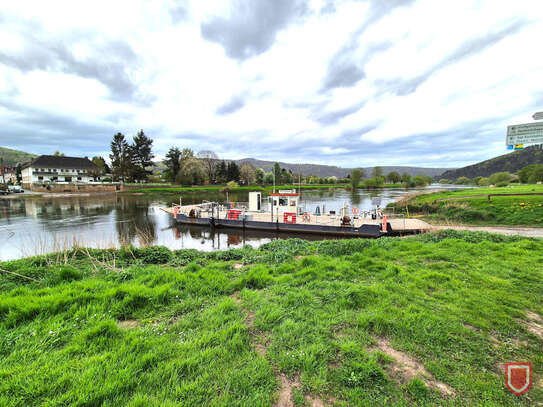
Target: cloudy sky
x=348, y=83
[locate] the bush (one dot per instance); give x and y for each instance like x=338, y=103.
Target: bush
x=483, y=182
x=445, y=181
x=500, y=178
x=231, y=185
x=153, y=254
x=462, y=181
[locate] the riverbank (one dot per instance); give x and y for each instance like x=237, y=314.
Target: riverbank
x=425, y=320
x=475, y=207
x=220, y=188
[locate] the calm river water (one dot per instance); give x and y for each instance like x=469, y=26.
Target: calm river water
x=43, y=225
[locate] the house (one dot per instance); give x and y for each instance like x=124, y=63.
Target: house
x=8, y=174
x=48, y=169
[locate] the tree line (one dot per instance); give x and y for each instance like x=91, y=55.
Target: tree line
x=378, y=179
x=530, y=174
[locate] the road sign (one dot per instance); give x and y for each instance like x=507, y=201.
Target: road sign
x=538, y=116
x=525, y=134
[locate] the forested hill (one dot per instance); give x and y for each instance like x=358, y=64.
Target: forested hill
x=12, y=157
x=333, y=171
x=511, y=162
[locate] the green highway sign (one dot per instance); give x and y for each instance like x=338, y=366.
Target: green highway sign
x=526, y=134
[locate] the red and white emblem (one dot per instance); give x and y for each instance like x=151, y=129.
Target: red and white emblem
x=518, y=377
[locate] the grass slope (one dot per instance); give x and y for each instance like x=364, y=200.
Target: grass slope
x=144, y=327
x=505, y=210
x=12, y=157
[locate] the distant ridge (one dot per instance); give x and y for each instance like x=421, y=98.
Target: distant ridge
x=511, y=162
x=12, y=157
x=334, y=171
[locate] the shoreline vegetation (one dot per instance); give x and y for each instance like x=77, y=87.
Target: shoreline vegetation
x=473, y=207
x=427, y=320
x=268, y=188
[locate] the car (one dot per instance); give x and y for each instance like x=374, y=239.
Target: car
x=15, y=188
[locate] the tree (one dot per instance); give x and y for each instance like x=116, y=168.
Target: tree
x=483, y=182
x=356, y=175
x=58, y=154
x=192, y=172
x=406, y=178
x=221, y=172
x=445, y=181
x=394, y=177
x=247, y=174
x=500, y=178
x=232, y=171
x=18, y=173
x=101, y=164
x=377, y=172
x=420, y=180
x=173, y=158
x=531, y=173
x=142, y=156
x=121, y=157
x=186, y=154
x=462, y=180
x=537, y=175
x=259, y=176
x=286, y=176
x=268, y=178
x=277, y=173
x=209, y=158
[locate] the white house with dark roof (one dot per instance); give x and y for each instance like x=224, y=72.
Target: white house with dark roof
x=56, y=169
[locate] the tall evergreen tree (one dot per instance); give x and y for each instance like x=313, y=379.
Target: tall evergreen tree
x=173, y=158
x=142, y=156
x=277, y=172
x=221, y=173
x=233, y=172
x=121, y=157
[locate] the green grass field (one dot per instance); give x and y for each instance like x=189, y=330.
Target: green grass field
x=500, y=210
x=422, y=321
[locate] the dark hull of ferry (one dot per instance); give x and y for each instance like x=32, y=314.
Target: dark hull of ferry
x=370, y=231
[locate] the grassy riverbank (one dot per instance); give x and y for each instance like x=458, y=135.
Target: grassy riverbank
x=420, y=321
x=218, y=188
x=467, y=208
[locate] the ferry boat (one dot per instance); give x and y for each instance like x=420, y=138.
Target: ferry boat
x=282, y=212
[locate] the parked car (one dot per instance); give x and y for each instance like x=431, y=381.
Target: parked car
x=3, y=190
x=16, y=189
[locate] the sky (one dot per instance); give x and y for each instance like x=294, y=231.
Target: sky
x=341, y=82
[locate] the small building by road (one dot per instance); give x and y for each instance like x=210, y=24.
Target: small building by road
x=8, y=174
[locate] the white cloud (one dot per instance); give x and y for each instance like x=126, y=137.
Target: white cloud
x=429, y=69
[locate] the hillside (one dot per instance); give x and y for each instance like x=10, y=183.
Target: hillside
x=12, y=157
x=511, y=162
x=330, y=170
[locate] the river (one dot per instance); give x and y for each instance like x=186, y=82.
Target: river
x=42, y=225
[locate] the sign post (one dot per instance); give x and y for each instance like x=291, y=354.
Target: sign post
x=525, y=134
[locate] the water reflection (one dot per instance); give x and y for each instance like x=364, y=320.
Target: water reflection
x=42, y=225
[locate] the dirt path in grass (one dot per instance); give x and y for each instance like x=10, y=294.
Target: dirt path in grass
x=503, y=230
x=259, y=341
